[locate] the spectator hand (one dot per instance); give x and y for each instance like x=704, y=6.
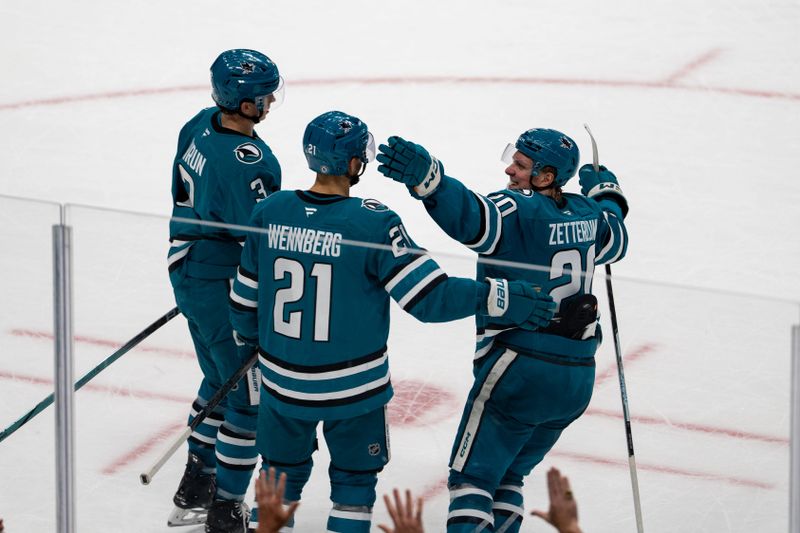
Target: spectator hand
x=411, y=164
x=272, y=515
x=406, y=519
x=563, y=513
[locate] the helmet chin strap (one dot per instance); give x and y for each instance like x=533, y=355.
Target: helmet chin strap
x=255, y=119
x=356, y=178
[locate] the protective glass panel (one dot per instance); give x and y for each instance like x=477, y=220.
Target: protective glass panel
x=26, y=362
x=706, y=373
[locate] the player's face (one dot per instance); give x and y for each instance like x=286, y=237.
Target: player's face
x=519, y=171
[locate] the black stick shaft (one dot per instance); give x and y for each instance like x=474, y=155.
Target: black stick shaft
x=128, y=346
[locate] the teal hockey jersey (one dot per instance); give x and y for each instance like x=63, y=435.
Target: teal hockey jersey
x=557, y=246
x=217, y=177
x=313, y=292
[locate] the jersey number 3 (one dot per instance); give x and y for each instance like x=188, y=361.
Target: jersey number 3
x=289, y=323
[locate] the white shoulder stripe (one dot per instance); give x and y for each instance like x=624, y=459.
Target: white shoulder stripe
x=408, y=269
x=424, y=282
x=491, y=249
x=243, y=301
x=177, y=256
x=610, y=243
x=244, y=280
x=488, y=227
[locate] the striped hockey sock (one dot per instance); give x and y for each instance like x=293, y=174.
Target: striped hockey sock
x=203, y=439
x=349, y=519
x=507, y=509
x=236, y=459
x=470, y=510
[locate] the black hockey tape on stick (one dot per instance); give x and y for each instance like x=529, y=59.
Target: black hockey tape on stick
x=146, y=477
x=623, y=390
x=128, y=346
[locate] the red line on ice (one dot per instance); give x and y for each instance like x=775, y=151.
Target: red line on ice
x=114, y=391
x=664, y=469
x=427, y=80
x=692, y=66
x=630, y=357
x=96, y=341
x=434, y=488
x=700, y=428
x=143, y=448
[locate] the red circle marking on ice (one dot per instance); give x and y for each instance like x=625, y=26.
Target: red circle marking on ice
x=418, y=402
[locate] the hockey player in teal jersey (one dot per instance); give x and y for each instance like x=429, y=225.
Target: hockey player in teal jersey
x=313, y=293
x=222, y=169
x=529, y=385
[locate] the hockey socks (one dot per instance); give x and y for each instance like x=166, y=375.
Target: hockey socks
x=204, y=438
x=236, y=456
x=470, y=510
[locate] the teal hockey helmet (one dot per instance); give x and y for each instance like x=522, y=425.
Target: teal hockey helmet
x=332, y=139
x=242, y=75
x=547, y=147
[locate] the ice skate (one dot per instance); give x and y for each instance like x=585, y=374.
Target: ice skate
x=226, y=516
x=194, y=495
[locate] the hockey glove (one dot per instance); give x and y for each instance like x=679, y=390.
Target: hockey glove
x=411, y=164
x=521, y=303
x=602, y=184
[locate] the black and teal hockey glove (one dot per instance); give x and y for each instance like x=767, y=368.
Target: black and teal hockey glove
x=410, y=164
x=602, y=184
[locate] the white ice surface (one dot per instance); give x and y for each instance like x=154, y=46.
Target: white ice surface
x=695, y=107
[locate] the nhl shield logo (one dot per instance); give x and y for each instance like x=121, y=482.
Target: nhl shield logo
x=248, y=153
x=374, y=449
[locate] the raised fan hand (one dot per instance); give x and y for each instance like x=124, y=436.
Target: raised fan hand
x=521, y=303
x=410, y=164
x=602, y=183
x=272, y=513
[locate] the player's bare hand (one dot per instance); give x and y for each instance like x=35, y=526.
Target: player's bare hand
x=272, y=515
x=406, y=516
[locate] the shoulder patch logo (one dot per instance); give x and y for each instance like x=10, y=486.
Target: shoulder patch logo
x=373, y=205
x=248, y=153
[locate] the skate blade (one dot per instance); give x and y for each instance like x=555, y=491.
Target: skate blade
x=187, y=517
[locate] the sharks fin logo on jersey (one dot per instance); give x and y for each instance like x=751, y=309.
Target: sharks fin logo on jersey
x=248, y=153
x=373, y=205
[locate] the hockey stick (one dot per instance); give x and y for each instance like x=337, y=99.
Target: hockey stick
x=147, y=477
x=620, y=371
x=41, y=406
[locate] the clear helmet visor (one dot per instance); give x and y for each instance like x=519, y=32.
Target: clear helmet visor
x=272, y=100
x=508, y=158
x=369, y=150
x=508, y=154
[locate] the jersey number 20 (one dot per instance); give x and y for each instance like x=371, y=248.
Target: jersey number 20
x=580, y=275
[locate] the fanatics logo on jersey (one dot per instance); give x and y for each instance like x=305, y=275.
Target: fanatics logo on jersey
x=373, y=205
x=310, y=211
x=248, y=153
